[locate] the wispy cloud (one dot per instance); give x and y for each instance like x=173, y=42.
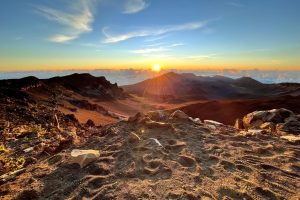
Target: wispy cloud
x=175, y=45
x=153, y=39
x=156, y=49
x=153, y=31
x=200, y=57
x=134, y=6
x=77, y=21
x=149, y=50
x=62, y=38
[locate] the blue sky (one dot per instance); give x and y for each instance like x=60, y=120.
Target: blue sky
x=198, y=34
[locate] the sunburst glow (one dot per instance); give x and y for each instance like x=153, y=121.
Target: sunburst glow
x=156, y=68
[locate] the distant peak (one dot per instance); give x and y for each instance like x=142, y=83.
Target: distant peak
x=246, y=79
x=81, y=74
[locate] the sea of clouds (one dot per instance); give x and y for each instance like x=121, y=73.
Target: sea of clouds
x=131, y=76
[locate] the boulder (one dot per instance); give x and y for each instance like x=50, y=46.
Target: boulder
x=153, y=124
x=139, y=116
x=144, y=120
x=278, y=115
x=290, y=127
x=254, y=119
x=90, y=123
x=258, y=118
x=274, y=117
x=238, y=124
x=84, y=157
x=178, y=114
x=259, y=114
x=292, y=118
x=268, y=126
x=285, y=113
x=157, y=115
x=196, y=120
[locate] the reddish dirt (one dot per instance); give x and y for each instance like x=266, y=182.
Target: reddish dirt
x=227, y=111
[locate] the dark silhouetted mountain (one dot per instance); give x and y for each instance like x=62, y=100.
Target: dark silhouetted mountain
x=88, y=85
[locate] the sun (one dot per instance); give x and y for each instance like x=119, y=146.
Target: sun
x=156, y=68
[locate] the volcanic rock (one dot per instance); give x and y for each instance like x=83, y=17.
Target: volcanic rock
x=90, y=123
x=133, y=138
x=290, y=127
x=238, y=124
x=139, y=116
x=83, y=157
x=212, y=122
x=178, y=114
x=268, y=126
x=157, y=115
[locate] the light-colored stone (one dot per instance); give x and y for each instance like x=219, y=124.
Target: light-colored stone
x=268, y=126
x=212, y=122
x=238, y=124
x=196, y=120
x=254, y=119
x=156, y=141
x=11, y=175
x=178, y=114
x=84, y=157
x=154, y=124
x=252, y=132
x=291, y=138
x=27, y=150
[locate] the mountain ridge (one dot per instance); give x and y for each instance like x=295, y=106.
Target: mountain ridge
x=190, y=86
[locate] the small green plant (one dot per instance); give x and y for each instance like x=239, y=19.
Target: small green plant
x=38, y=130
x=12, y=164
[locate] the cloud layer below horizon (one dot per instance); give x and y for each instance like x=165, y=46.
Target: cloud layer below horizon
x=130, y=76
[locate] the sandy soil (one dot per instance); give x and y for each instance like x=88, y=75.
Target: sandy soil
x=126, y=107
x=194, y=162
x=83, y=115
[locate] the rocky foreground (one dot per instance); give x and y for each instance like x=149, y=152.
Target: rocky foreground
x=167, y=156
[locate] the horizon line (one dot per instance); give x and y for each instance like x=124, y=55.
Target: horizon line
x=144, y=69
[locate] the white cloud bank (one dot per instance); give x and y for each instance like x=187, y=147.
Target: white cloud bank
x=77, y=21
x=131, y=76
x=153, y=31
